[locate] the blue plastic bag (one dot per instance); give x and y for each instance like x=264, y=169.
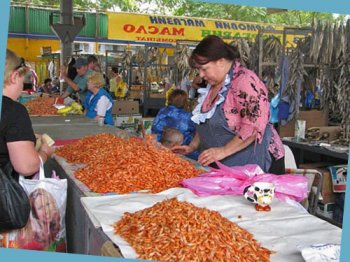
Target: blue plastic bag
x=274, y=109
x=283, y=110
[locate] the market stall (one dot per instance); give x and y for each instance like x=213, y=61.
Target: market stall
x=145, y=69
x=101, y=191
x=91, y=214
x=286, y=230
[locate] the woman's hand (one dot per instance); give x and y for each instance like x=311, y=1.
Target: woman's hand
x=47, y=150
x=183, y=150
x=211, y=155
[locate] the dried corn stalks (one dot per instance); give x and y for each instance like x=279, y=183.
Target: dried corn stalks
x=272, y=53
x=139, y=59
x=243, y=47
x=179, y=231
x=296, y=77
x=334, y=56
x=126, y=59
x=272, y=49
x=253, y=63
x=181, y=60
x=343, y=97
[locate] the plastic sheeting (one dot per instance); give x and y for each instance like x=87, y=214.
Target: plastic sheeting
x=284, y=229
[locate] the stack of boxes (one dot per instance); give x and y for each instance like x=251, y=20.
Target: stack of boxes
x=127, y=116
x=126, y=111
x=332, y=189
x=338, y=174
x=312, y=118
x=135, y=92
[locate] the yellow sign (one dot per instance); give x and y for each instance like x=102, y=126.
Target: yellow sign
x=169, y=29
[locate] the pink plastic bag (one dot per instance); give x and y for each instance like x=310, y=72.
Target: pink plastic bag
x=233, y=181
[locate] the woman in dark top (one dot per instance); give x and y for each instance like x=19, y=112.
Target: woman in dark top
x=17, y=139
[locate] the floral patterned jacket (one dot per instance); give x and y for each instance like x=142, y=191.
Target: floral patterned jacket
x=247, y=108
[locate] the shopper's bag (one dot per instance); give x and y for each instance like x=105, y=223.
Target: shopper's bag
x=45, y=229
x=14, y=203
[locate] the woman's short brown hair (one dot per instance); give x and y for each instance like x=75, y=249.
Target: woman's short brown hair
x=212, y=48
x=178, y=98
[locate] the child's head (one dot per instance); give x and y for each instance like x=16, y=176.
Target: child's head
x=178, y=98
x=171, y=137
x=47, y=81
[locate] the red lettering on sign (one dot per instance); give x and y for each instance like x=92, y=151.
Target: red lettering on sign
x=178, y=31
x=141, y=30
x=129, y=28
x=153, y=30
x=165, y=31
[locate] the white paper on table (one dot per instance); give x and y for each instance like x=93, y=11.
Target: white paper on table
x=59, y=106
x=282, y=229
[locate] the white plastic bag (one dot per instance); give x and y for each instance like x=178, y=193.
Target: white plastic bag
x=45, y=229
x=321, y=252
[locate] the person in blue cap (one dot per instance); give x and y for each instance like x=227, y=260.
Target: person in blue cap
x=79, y=83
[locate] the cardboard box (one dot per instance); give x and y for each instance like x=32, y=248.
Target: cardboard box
x=328, y=196
x=312, y=118
x=338, y=174
x=327, y=188
x=316, y=165
x=136, y=87
x=127, y=121
x=135, y=94
x=125, y=107
x=157, y=95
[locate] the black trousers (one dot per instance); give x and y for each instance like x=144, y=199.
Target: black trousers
x=277, y=166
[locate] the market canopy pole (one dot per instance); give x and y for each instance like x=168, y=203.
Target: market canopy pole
x=67, y=29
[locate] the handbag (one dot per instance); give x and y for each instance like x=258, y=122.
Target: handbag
x=14, y=202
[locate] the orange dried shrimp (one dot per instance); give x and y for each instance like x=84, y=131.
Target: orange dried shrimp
x=179, y=231
x=123, y=166
x=41, y=106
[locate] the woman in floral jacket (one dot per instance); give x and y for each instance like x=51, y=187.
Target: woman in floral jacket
x=232, y=113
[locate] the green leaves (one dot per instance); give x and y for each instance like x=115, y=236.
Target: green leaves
x=198, y=9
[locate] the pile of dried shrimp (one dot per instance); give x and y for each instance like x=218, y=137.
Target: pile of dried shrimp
x=41, y=106
x=118, y=165
x=179, y=231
